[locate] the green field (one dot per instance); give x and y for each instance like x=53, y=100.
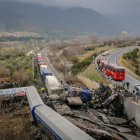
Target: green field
x=12, y=48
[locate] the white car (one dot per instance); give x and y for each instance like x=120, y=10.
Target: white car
x=104, y=54
x=136, y=89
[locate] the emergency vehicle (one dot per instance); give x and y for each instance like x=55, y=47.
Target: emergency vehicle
x=114, y=72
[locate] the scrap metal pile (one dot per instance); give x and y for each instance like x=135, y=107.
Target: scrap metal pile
x=8, y=84
x=96, y=112
x=100, y=95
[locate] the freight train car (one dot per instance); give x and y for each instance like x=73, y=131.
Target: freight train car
x=42, y=67
x=54, y=125
x=52, y=85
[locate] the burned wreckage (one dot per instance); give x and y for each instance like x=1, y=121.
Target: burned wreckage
x=98, y=112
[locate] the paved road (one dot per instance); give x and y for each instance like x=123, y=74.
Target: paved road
x=112, y=58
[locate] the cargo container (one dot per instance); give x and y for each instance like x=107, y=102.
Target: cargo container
x=41, y=63
x=38, y=54
x=43, y=67
x=53, y=86
x=40, y=60
x=46, y=72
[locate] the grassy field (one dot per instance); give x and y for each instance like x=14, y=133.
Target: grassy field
x=23, y=33
x=92, y=74
x=12, y=48
x=89, y=53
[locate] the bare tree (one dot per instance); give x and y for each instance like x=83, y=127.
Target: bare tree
x=93, y=39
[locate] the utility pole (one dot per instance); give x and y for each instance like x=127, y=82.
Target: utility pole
x=33, y=65
x=36, y=42
x=65, y=62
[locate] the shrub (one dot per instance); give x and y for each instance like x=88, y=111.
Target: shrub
x=137, y=72
x=4, y=72
x=87, y=62
x=89, y=48
x=62, y=47
x=124, y=57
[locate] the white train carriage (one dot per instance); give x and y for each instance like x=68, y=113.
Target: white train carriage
x=38, y=54
x=56, y=126
x=33, y=98
x=42, y=67
x=53, y=86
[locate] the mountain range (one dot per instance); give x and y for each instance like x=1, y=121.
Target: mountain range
x=53, y=21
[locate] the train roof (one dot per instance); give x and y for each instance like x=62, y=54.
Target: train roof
x=33, y=97
x=46, y=71
x=43, y=66
x=59, y=124
x=53, y=82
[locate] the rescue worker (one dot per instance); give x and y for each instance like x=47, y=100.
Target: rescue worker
x=123, y=83
x=105, y=72
x=119, y=87
x=42, y=89
x=127, y=84
x=107, y=81
x=98, y=62
x=61, y=82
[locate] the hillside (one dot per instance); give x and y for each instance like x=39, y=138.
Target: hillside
x=54, y=21
x=129, y=23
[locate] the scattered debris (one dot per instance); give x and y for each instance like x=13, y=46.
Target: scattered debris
x=100, y=95
x=74, y=101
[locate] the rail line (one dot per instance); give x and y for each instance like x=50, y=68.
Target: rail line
x=54, y=72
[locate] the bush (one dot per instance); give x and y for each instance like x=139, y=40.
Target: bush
x=87, y=62
x=89, y=48
x=62, y=47
x=124, y=57
x=137, y=72
x=77, y=67
x=101, y=45
x=4, y=72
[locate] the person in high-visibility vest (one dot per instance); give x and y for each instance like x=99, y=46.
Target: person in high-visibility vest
x=123, y=83
x=42, y=89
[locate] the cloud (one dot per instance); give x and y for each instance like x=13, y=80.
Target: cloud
x=124, y=7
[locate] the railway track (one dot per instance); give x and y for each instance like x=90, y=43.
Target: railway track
x=54, y=72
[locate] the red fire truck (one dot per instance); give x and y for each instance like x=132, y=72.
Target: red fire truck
x=114, y=72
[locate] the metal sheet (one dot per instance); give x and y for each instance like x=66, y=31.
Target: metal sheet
x=128, y=136
x=119, y=128
x=89, y=118
x=62, y=109
x=100, y=115
x=116, y=120
x=74, y=101
x=96, y=132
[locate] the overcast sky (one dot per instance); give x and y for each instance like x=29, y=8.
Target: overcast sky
x=123, y=7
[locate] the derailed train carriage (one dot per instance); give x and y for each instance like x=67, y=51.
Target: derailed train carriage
x=55, y=126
